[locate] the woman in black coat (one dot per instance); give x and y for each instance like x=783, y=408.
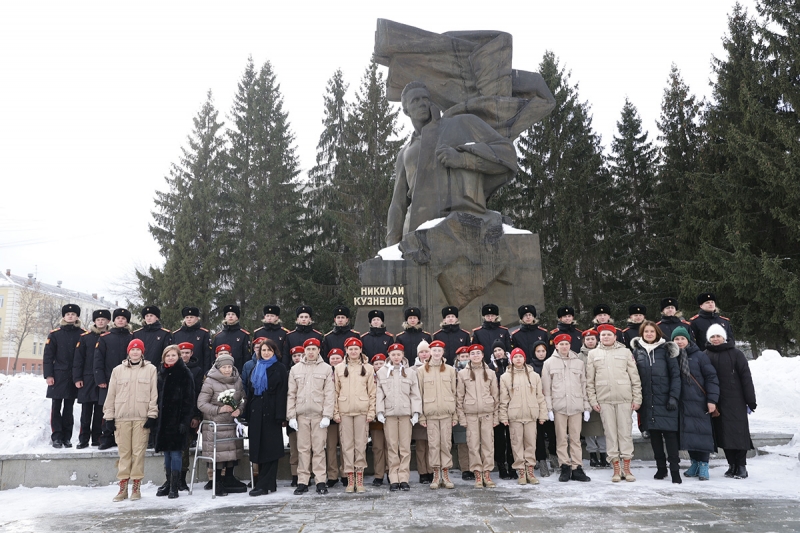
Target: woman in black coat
x=657, y=362
x=737, y=395
x=699, y=397
x=176, y=406
x=546, y=434
x=265, y=411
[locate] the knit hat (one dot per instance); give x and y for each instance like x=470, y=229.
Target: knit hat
x=135, y=343
x=423, y=345
x=490, y=309
x=190, y=311
x=716, y=329
x=498, y=343
x=272, y=310
x=449, y=310
x=223, y=360
x=101, y=313
x=565, y=310
x=151, y=310
x=70, y=308
x=525, y=309
x=666, y=302
x=680, y=331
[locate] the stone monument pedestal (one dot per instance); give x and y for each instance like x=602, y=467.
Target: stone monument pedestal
x=465, y=260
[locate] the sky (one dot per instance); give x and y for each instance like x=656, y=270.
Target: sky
x=97, y=98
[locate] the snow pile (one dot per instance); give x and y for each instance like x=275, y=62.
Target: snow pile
x=429, y=224
x=392, y=253
x=777, y=383
x=511, y=230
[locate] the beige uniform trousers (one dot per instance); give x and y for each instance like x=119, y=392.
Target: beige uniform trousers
x=379, y=452
x=398, y=443
x=131, y=440
x=293, y=452
x=334, y=468
x=617, y=425
x=480, y=440
x=353, y=431
x=440, y=443
x=310, y=449
x=523, y=443
x=568, y=439
x=463, y=456
x=421, y=451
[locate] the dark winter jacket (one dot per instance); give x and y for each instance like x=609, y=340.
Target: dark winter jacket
x=58, y=358
x=155, y=339
x=526, y=336
x=574, y=333
x=375, y=341
x=696, y=432
x=736, y=394
x=111, y=350
x=197, y=378
x=200, y=337
x=176, y=406
x=83, y=364
x=702, y=321
x=301, y=334
x=238, y=339
x=661, y=380
x=266, y=414
x=277, y=334
x=487, y=334
x=667, y=324
x=453, y=338
x=630, y=333
x=335, y=339
x=536, y=363
x=410, y=338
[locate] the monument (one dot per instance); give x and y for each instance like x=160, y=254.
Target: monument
x=444, y=247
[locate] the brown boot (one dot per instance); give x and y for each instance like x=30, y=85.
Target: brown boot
x=446, y=483
x=487, y=480
x=617, y=471
x=478, y=479
x=136, y=491
x=123, y=491
x=626, y=468
x=522, y=477
x=529, y=474
x=351, y=482
x=437, y=478
x=360, y=481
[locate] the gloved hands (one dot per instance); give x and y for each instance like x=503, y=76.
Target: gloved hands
x=550, y=416
x=672, y=404
x=150, y=423
x=240, y=429
x=586, y=416
x=325, y=422
x=381, y=418
x=111, y=426
x=293, y=424
x=182, y=429
x=415, y=419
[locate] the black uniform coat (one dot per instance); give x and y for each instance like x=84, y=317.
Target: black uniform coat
x=58, y=358
x=111, y=350
x=155, y=339
x=574, y=333
x=736, y=394
x=453, y=338
x=526, y=336
x=277, y=334
x=200, y=337
x=661, y=380
x=83, y=365
x=696, y=432
x=410, y=338
x=487, y=334
x=375, y=341
x=301, y=334
x=266, y=414
x=177, y=406
x=238, y=339
x=335, y=339
x=667, y=324
x=630, y=333
x=702, y=321
x=198, y=374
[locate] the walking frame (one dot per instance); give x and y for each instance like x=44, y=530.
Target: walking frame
x=213, y=457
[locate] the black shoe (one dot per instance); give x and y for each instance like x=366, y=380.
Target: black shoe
x=57, y=443
x=676, y=475
x=731, y=471
x=105, y=446
x=163, y=490
x=741, y=472
x=467, y=476
x=604, y=460
x=377, y=482
x=405, y=486
x=294, y=481
x=258, y=492
x=579, y=475
x=322, y=488
x=344, y=481
x=513, y=474
x=594, y=461
x=661, y=472
x=82, y=445
x=232, y=484
x=394, y=487
x=209, y=485
x=183, y=486
x=301, y=488
x=67, y=444
x=332, y=482
x=565, y=473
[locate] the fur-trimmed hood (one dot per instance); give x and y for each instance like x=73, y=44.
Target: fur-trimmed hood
x=596, y=323
x=534, y=323
x=671, y=347
x=407, y=326
x=96, y=330
x=457, y=323
x=77, y=323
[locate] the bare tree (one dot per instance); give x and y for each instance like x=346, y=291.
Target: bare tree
x=33, y=316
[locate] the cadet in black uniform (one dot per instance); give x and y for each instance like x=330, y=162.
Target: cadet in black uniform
x=154, y=337
x=273, y=330
x=191, y=331
x=709, y=314
x=83, y=376
x=566, y=319
x=341, y=332
x=376, y=340
x=490, y=331
x=234, y=336
x=637, y=314
x=111, y=350
x=602, y=315
x=303, y=329
x=671, y=318
x=529, y=332
x=412, y=334
x=451, y=334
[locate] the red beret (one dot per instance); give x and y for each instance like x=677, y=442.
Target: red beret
x=606, y=327
x=135, y=343
x=186, y=346
x=593, y=332
x=462, y=349
x=259, y=340
x=353, y=341
x=562, y=338
x=474, y=347
x=437, y=344
x=336, y=351
x=313, y=341
x=378, y=357
x=395, y=347
x=222, y=348
x=517, y=351
x=296, y=349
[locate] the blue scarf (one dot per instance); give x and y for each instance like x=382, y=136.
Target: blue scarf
x=259, y=375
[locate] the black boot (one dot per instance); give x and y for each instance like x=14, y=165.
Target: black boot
x=231, y=483
x=322, y=488
x=163, y=490
x=377, y=482
x=183, y=486
x=219, y=489
x=503, y=471
x=661, y=470
x=467, y=476
x=604, y=460
x=676, y=474
x=594, y=462
x=57, y=442
x=565, y=473
x=344, y=481
x=174, y=484
x=741, y=472
x=579, y=475
x=294, y=481
x=513, y=473
x=301, y=488
x=332, y=482
x=731, y=472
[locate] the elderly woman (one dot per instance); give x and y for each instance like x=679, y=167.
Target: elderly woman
x=737, y=397
x=222, y=376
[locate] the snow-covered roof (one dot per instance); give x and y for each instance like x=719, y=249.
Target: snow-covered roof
x=55, y=290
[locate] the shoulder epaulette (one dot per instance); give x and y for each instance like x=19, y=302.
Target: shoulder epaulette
x=465, y=331
x=165, y=329
x=317, y=331
x=425, y=332
x=245, y=331
x=204, y=329
x=397, y=334
x=354, y=331
x=726, y=318
x=365, y=334
x=137, y=331
x=54, y=330
x=331, y=331
x=541, y=328
x=476, y=329
x=503, y=327
x=626, y=329
x=389, y=334
x=437, y=331
x=283, y=328
x=695, y=316
x=553, y=330
x=104, y=334
x=579, y=330
x=659, y=322
x=85, y=333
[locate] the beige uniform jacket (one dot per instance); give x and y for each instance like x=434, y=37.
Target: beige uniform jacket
x=311, y=389
x=397, y=395
x=612, y=376
x=523, y=401
x=477, y=396
x=564, y=384
x=132, y=392
x=438, y=392
x=355, y=394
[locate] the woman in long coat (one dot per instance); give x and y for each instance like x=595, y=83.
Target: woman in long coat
x=265, y=411
x=699, y=396
x=736, y=396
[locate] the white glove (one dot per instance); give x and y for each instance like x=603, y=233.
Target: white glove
x=415, y=419
x=325, y=422
x=293, y=424
x=240, y=429
x=586, y=416
x=550, y=416
x=381, y=418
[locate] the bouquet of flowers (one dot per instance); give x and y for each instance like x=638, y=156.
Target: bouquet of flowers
x=226, y=397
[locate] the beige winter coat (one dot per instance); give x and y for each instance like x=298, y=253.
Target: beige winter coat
x=132, y=392
x=521, y=400
x=355, y=394
x=564, y=384
x=311, y=390
x=477, y=396
x=438, y=392
x=215, y=383
x=397, y=395
x=612, y=376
